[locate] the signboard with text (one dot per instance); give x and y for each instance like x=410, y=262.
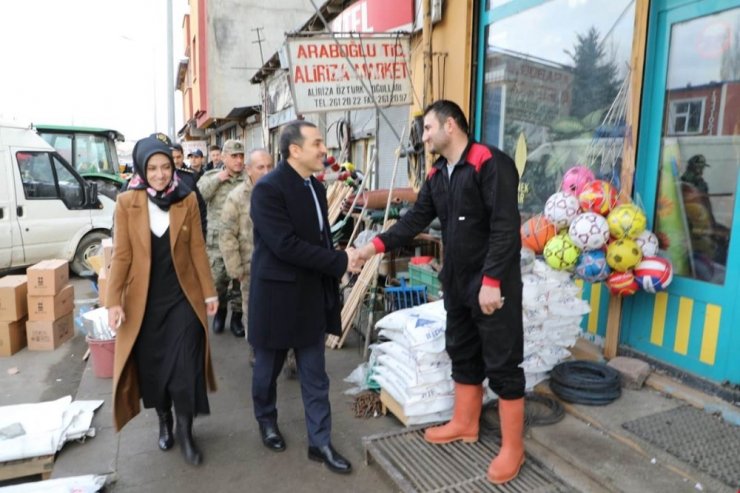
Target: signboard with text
x=346, y=73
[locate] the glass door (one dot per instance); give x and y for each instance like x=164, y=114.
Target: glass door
x=687, y=180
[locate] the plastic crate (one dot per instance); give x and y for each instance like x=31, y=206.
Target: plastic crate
x=424, y=276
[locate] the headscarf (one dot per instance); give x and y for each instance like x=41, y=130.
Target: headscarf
x=175, y=190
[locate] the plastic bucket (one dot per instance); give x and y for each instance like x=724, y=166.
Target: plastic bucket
x=101, y=352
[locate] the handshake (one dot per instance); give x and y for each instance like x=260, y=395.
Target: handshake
x=356, y=257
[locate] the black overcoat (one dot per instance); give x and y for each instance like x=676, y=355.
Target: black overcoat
x=293, y=293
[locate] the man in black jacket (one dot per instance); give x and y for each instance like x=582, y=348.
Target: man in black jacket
x=472, y=188
x=294, y=294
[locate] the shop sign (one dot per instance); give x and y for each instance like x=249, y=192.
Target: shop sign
x=328, y=74
x=376, y=16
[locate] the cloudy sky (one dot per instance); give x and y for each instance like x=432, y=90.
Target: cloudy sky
x=88, y=63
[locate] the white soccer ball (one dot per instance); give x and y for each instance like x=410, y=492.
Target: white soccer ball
x=589, y=231
x=648, y=243
x=561, y=208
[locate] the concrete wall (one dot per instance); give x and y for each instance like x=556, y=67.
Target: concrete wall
x=234, y=57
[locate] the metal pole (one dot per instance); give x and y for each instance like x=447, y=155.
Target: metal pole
x=170, y=75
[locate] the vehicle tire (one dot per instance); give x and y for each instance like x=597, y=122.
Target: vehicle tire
x=89, y=246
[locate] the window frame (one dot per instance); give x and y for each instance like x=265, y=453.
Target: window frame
x=673, y=115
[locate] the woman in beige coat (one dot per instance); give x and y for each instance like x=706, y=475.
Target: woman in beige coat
x=160, y=291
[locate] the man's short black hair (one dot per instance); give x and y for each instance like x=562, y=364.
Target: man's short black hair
x=445, y=109
x=214, y=147
x=176, y=147
x=291, y=134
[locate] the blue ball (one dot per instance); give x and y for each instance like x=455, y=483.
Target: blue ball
x=592, y=266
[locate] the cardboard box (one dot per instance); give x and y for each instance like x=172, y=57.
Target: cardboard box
x=102, y=286
x=13, y=291
x=52, y=307
x=46, y=335
x=12, y=337
x=48, y=277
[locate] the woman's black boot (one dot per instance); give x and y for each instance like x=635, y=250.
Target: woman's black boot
x=166, y=438
x=188, y=447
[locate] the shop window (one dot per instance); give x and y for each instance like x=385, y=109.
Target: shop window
x=686, y=117
x=698, y=172
x=557, y=99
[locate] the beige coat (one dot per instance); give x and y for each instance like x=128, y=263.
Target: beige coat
x=128, y=285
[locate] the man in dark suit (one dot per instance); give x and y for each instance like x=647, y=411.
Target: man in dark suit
x=294, y=298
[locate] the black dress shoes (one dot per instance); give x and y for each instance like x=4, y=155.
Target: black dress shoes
x=272, y=438
x=333, y=460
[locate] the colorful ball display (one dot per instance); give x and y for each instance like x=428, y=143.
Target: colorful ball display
x=598, y=196
x=589, y=231
x=648, y=243
x=626, y=221
x=561, y=208
x=592, y=266
x=622, y=283
x=622, y=255
x=576, y=178
x=561, y=253
x=536, y=232
x=654, y=274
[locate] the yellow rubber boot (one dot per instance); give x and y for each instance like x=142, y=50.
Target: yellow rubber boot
x=465, y=422
x=508, y=462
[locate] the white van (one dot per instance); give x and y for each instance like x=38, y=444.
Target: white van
x=47, y=210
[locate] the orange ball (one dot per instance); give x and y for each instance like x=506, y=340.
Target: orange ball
x=535, y=232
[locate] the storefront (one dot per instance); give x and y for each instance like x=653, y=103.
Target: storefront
x=645, y=93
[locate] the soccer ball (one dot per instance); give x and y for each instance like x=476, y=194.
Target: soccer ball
x=560, y=209
x=623, y=254
x=589, y=231
x=622, y=283
x=561, y=253
x=575, y=179
x=626, y=221
x=654, y=274
x=536, y=232
x=592, y=266
x=598, y=196
x=648, y=243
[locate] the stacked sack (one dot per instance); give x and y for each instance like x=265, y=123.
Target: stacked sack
x=584, y=231
x=413, y=366
x=552, y=313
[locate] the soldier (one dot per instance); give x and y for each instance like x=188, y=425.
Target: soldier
x=235, y=239
x=215, y=185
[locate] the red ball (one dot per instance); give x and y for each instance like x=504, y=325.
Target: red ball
x=536, y=232
x=622, y=283
x=598, y=196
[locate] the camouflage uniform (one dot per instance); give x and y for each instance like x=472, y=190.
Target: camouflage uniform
x=236, y=242
x=235, y=238
x=215, y=192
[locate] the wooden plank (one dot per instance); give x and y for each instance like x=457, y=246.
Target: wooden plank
x=390, y=404
x=27, y=467
x=629, y=152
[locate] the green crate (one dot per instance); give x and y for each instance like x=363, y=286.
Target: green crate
x=425, y=276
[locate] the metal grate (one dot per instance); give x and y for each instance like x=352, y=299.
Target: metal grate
x=417, y=466
x=694, y=436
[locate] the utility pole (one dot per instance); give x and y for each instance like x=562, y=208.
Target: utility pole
x=259, y=42
x=170, y=76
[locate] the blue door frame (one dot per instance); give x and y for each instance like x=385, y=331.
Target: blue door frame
x=694, y=325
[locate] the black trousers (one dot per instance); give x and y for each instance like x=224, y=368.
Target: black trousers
x=490, y=346
x=314, y=389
